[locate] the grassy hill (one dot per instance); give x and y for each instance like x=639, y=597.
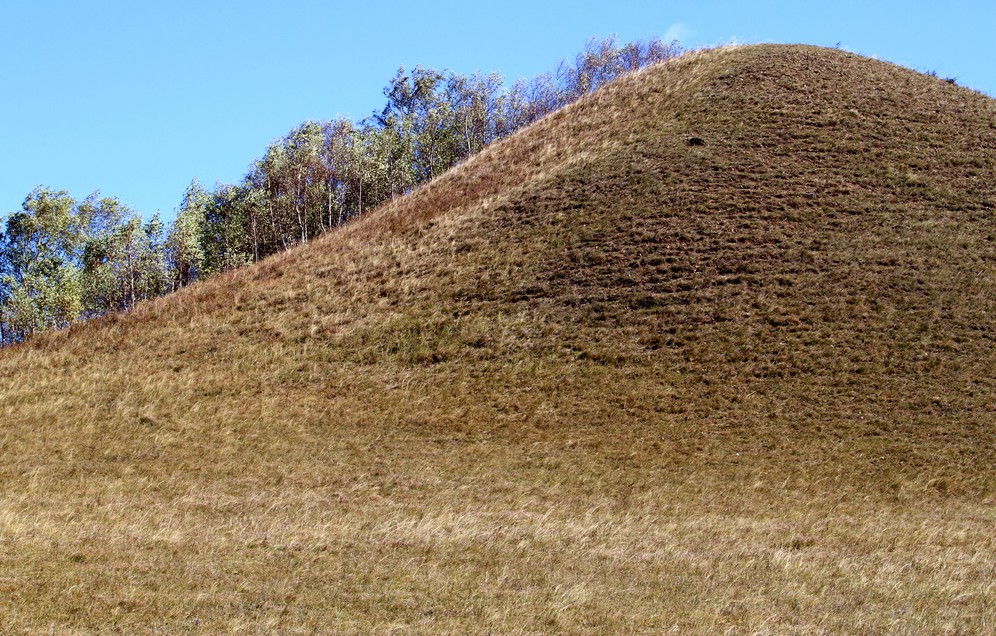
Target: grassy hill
x=710, y=349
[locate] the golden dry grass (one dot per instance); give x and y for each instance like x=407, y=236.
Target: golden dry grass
x=593, y=380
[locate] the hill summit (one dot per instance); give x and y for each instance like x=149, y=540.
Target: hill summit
x=710, y=348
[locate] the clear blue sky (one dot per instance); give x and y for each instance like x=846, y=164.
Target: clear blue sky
x=137, y=98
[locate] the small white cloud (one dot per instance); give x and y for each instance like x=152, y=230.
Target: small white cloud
x=678, y=31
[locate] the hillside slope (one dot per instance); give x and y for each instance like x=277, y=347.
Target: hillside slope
x=711, y=348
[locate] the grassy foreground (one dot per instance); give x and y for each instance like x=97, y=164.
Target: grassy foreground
x=596, y=379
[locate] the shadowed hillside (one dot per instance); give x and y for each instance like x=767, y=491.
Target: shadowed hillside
x=711, y=348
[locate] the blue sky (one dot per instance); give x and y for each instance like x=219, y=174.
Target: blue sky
x=137, y=98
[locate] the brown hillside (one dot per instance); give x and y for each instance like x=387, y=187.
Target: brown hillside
x=599, y=378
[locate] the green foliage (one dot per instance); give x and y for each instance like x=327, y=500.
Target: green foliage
x=184, y=247
x=223, y=234
x=39, y=274
x=123, y=260
x=62, y=260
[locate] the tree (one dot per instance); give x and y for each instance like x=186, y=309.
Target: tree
x=123, y=259
x=478, y=105
x=336, y=155
x=39, y=277
x=224, y=238
x=304, y=181
x=184, y=251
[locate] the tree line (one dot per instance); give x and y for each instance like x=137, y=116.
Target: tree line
x=63, y=260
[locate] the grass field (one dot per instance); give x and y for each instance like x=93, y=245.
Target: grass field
x=594, y=380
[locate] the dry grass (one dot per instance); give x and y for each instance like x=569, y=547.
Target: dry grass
x=593, y=380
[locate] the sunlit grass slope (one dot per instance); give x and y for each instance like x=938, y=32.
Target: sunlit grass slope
x=712, y=349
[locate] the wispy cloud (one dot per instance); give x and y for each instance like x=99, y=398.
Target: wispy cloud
x=678, y=31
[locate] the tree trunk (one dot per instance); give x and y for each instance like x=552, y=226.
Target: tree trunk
x=255, y=237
